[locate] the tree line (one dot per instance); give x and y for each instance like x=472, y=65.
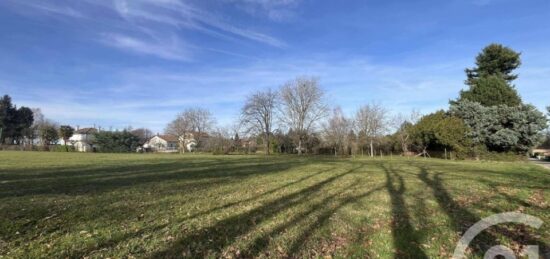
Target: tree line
x=489, y=117
x=28, y=129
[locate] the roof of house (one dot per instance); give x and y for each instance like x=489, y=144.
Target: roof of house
x=169, y=138
x=174, y=138
x=86, y=131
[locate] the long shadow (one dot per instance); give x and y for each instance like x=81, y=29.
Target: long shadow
x=113, y=242
x=526, y=178
x=324, y=217
x=509, y=198
x=260, y=243
x=406, y=238
x=231, y=204
x=116, y=168
x=201, y=242
x=109, y=243
x=110, y=178
x=461, y=218
x=184, y=179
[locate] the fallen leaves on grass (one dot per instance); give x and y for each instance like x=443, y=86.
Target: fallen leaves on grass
x=330, y=246
x=537, y=199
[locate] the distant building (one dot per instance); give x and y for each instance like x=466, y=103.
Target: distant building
x=162, y=143
x=540, y=153
x=171, y=143
x=83, y=139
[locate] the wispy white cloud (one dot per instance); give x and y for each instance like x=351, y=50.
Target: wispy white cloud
x=150, y=22
x=171, y=49
x=46, y=8
x=183, y=15
x=276, y=10
x=151, y=96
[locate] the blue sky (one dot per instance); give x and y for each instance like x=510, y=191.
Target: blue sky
x=139, y=62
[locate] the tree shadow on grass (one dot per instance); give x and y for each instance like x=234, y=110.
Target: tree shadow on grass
x=405, y=237
x=199, y=176
x=462, y=219
x=105, y=244
x=274, y=190
x=78, y=181
x=112, y=242
x=524, y=177
x=323, y=218
x=204, y=242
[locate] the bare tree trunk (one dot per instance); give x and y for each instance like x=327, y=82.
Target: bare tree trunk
x=267, y=144
x=371, y=149
x=300, y=147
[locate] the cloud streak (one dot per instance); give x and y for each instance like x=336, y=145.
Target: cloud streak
x=183, y=15
x=45, y=8
x=276, y=10
x=156, y=27
x=171, y=50
x=139, y=94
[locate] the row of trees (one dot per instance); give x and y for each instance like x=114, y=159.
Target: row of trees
x=290, y=120
x=26, y=128
x=15, y=123
x=489, y=116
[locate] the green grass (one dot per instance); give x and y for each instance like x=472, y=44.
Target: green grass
x=157, y=206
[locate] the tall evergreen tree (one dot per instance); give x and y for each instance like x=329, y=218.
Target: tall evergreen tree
x=491, y=90
x=502, y=128
x=22, y=121
x=490, y=81
x=495, y=59
x=7, y=115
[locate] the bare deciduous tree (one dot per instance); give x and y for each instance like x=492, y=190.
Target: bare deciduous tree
x=336, y=130
x=257, y=114
x=180, y=127
x=372, y=120
x=220, y=141
x=402, y=125
x=202, y=121
x=302, y=107
x=196, y=121
x=143, y=134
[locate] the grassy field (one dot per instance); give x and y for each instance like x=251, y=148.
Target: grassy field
x=157, y=206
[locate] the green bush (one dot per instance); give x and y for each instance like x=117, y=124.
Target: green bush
x=116, y=141
x=62, y=148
